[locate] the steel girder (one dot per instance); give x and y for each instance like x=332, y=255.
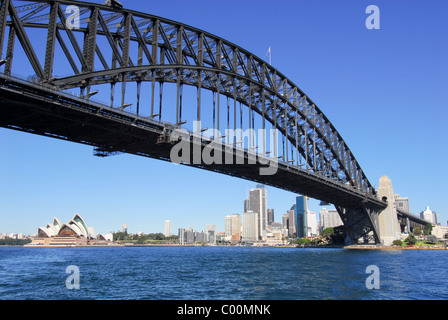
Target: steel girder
x=173, y=52
x=361, y=223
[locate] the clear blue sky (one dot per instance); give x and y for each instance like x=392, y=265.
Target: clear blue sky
x=385, y=91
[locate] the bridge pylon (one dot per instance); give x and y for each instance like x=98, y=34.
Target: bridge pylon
x=389, y=226
x=361, y=223
x=369, y=224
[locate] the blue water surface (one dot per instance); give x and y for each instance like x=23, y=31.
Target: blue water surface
x=221, y=273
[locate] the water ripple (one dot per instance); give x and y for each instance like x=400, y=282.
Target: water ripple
x=217, y=273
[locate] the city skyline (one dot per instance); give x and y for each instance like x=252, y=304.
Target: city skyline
x=384, y=90
x=167, y=224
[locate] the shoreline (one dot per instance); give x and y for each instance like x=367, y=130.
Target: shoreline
x=392, y=248
x=351, y=247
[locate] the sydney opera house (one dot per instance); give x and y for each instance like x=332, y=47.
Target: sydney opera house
x=73, y=233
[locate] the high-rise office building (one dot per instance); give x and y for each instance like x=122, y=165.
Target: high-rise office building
x=300, y=216
x=329, y=219
x=124, y=228
x=311, y=222
x=429, y=216
x=167, y=228
x=236, y=228
x=250, y=226
x=186, y=236
x=270, y=217
x=210, y=230
x=291, y=223
x=190, y=236
x=228, y=228
x=232, y=228
x=246, y=205
x=258, y=204
x=285, y=225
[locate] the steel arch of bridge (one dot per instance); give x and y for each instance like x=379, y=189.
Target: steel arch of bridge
x=124, y=46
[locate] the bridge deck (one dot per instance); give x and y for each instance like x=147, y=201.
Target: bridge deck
x=36, y=109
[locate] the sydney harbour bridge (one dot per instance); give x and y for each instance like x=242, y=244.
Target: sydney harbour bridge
x=155, y=77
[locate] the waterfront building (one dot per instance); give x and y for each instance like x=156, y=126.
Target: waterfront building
x=106, y=237
x=329, y=219
x=73, y=233
x=210, y=230
x=402, y=203
x=186, y=236
x=190, y=236
x=439, y=231
x=167, y=228
x=250, y=227
x=181, y=236
x=429, y=216
x=75, y=227
x=220, y=236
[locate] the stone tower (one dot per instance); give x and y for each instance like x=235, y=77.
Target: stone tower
x=389, y=227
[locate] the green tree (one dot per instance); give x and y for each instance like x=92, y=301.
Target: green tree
x=14, y=242
x=117, y=236
x=428, y=229
x=327, y=232
x=417, y=232
x=303, y=241
x=397, y=243
x=411, y=239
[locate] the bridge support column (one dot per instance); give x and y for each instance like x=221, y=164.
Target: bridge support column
x=361, y=224
x=389, y=227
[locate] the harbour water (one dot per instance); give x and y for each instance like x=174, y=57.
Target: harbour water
x=221, y=273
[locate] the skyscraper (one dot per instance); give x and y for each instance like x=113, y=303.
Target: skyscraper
x=233, y=228
x=167, y=228
x=250, y=226
x=300, y=219
x=258, y=204
x=429, y=215
x=329, y=219
x=291, y=223
x=246, y=205
x=311, y=222
x=236, y=228
x=270, y=217
x=228, y=228
x=285, y=225
x=210, y=230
